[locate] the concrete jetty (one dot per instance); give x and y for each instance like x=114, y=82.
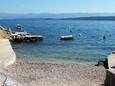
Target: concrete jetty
x=7, y=55
x=25, y=37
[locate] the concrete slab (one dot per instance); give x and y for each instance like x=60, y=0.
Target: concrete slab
x=7, y=55
x=8, y=81
x=111, y=60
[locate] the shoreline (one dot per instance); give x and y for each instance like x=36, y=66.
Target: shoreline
x=45, y=73
x=57, y=61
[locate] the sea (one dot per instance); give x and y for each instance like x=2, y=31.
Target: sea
x=88, y=45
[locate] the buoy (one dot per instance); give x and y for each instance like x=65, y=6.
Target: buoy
x=104, y=37
x=79, y=35
x=71, y=31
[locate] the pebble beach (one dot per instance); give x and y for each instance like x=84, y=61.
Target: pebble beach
x=45, y=73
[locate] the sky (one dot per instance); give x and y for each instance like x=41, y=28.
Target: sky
x=57, y=6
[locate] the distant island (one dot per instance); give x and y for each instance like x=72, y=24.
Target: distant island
x=58, y=16
x=92, y=18
x=106, y=18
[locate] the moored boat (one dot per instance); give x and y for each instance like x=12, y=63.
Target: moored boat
x=67, y=37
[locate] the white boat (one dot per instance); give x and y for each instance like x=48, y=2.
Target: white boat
x=18, y=26
x=67, y=37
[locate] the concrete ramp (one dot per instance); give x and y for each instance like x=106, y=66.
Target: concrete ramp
x=7, y=55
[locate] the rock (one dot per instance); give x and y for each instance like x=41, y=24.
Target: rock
x=8, y=81
x=103, y=63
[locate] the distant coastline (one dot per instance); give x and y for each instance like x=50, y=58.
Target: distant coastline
x=112, y=18
x=57, y=16
x=104, y=18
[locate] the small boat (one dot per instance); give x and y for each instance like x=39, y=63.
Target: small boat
x=67, y=37
x=18, y=26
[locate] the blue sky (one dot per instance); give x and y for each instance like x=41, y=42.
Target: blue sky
x=57, y=6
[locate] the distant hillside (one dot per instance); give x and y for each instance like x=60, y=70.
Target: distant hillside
x=92, y=18
x=52, y=15
x=105, y=18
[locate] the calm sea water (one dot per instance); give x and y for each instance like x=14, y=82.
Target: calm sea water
x=88, y=47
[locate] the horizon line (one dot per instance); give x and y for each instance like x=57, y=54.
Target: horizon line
x=62, y=13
